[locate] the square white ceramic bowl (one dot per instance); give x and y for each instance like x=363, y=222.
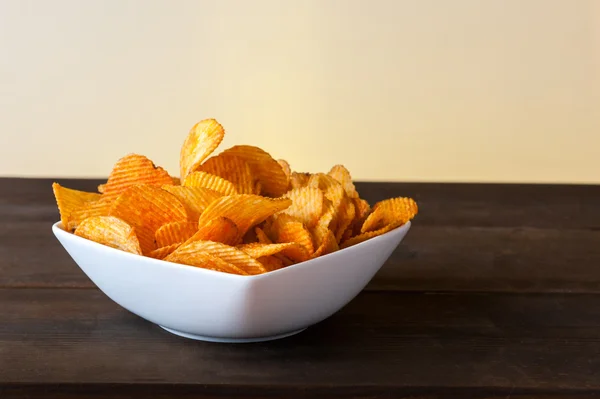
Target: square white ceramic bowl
x=214, y=306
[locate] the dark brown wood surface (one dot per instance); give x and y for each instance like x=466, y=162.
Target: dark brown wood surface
x=494, y=293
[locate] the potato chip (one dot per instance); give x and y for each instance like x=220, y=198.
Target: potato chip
x=69, y=201
x=286, y=228
x=110, y=231
x=163, y=252
x=205, y=261
x=368, y=235
x=146, y=208
x=262, y=236
x=270, y=174
x=362, y=210
x=228, y=253
x=204, y=137
x=271, y=262
x=194, y=199
x=174, y=232
x=231, y=168
x=286, y=167
x=245, y=210
x=220, y=229
x=206, y=180
x=342, y=175
x=257, y=250
x=257, y=188
x=298, y=180
x=307, y=204
x=92, y=208
x=134, y=169
x=324, y=240
x=345, y=217
x=390, y=211
x=328, y=218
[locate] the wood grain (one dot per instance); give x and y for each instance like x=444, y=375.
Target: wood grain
x=394, y=341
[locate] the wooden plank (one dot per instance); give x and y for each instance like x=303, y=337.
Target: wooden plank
x=430, y=259
x=382, y=342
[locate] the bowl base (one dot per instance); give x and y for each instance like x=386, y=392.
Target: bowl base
x=230, y=340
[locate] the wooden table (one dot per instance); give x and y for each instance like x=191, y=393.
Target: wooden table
x=495, y=292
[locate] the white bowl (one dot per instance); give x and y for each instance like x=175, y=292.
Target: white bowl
x=213, y=306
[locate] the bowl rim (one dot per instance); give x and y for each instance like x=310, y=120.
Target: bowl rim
x=58, y=230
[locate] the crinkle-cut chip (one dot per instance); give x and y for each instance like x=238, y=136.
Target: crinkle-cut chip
x=231, y=168
x=362, y=210
x=204, y=261
x=194, y=199
x=332, y=189
x=368, y=235
x=328, y=218
x=345, y=217
x=257, y=188
x=286, y=228
x=307, y=204
x=325, y=241
x=390, y=211
x=92, y=208
x=250, y=237
x=134, y=169
x=342, y=175
x=110, y=231
x=286, y=167
x=298, y=179
x=163, y=252
x=349, y=233
x=210, y=181
x=220, y=229
x=174, y=232
x=257, y=250
x=176, y=181
x=101, y=188
x=270, y=174
x=271, y=262
x=146, y=208
x=245, y=210
x=69, y=200
x=204, y=137
x=262, y=236
x=228, y=253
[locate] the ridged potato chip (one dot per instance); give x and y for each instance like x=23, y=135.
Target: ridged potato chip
x=262, y=236
x=342, y=175
x=147, y=208
x=245, y=210
x=92, y=208
x=286, y=228
x=271, y=263
x=228, y=253
x=134, y=169
x=204, y=137
x=194, y=199
x=110, y=231
x=307, y=204
x=324, y=240
x=204, y=261
x=220, y=229
x=231, y=168
x=345, y=217
x=286, y=168
x=174, y=232
x=270, y=174
x=207, y=180
x=368, y=235
x=257, y=250
x=298, y=180
x=163, y=252
x=70, y=201
x=390, y=211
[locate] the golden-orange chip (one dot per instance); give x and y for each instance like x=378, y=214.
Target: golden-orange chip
x=245, y=210
x=271, y=262
x=228, y=253
x=134, y=169
x=270, y=174
x=194, y=199
x=368, y=235
x=342, y=175
x=390, y=211
x=346, y=216
x=325, y=241
x=298, y=180
x=92, y=208
x=163, y=252
x=174, y=232
x=204, y=137
x=231, y=168
x=257, y=250
x=205, y=261
x=70, y=201
x=146, y=208
x=110, y=231
x=307, y=204
x=286, y=228
x=262, y=236
x=220, y=229
x=286, y=167
x=210, y=181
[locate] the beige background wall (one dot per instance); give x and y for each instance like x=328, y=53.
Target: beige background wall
x=430, y=90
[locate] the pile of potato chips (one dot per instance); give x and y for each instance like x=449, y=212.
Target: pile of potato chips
x=240, y=211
